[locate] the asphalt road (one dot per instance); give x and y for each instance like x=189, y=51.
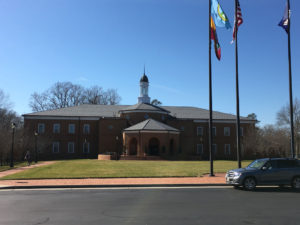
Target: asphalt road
x=165, y=206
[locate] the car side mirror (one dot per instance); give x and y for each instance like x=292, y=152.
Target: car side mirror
x=264, y=168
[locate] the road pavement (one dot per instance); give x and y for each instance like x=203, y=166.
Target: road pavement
x=150, y=206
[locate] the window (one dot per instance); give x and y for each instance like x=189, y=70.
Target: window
x=71, y=147
x=241, y=131
x=226, y=131
x=41, y=128
x=86, y=128
x=110, y=127
x=56, y=128
x=146, y=116
x=199, y=131
x=55, y=147
x=227, y=149
x=199, y=149
x=214, y=149
x=86, y=147
x=182, y=128
x=72, y=128
x=286, y=163
x=214, y=131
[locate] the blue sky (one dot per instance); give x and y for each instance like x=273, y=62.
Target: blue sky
x=107, y=43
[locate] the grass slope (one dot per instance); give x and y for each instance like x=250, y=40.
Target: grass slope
x=115, y=169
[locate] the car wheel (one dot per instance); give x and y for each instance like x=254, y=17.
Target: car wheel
x=296, y=182
x=249, y=184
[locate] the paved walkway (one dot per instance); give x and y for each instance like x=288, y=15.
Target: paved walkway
x=218, y=179
x=20, y=169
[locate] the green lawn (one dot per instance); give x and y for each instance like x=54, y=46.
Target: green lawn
x=104, y=169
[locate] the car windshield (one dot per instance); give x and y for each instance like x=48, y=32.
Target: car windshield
x=257, y=164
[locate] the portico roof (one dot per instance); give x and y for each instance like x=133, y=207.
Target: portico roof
x=142, y=107
x=151, y=125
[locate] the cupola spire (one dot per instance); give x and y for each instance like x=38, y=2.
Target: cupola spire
x=144, y=85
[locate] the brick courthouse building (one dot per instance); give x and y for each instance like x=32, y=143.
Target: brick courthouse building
x=135, y=131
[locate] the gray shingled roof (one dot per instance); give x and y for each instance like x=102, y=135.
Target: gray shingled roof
x=145, y=107
x=85, y=110
x=151, y=125
x=180, y=112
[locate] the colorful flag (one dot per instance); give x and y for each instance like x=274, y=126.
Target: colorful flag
x=285, y=22
x=214, y=37
x=220, y=17
x=239, y=20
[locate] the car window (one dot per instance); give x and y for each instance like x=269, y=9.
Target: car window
x=272, y=164
x=286, y=163
x=257, y=164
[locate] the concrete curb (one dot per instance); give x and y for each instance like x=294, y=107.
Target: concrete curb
x=110, y=186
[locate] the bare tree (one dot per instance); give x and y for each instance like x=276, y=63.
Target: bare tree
x=4, y=101
x=111, y=97
x=283, y=115
x=156, y=102
x=283, y=121
x=39, y=102
x=7, y=117
x=94, y=95
x=66, y=94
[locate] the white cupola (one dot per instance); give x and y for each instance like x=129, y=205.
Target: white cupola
x=144, y=84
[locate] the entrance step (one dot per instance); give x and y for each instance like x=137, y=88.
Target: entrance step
x=135, y=157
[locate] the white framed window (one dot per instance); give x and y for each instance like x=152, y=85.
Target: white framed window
x=86, y=147
x=214, y=131
x=71, y=147
x=55, y=147
x=41, y=128
x=227, y=131
x=214, y=149
x=86, y=128
x=227, y=149
x=56, y=128
x=71, y=128
x=199, y=131
x=199, y=149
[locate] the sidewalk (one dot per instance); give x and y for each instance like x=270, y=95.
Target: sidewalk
x=218, y=179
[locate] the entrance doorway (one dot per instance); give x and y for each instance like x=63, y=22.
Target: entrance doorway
x=133, y=146
x=153, y=146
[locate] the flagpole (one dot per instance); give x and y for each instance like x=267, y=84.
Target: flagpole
x=290, y=86
x=210, y=92
x=238, y=129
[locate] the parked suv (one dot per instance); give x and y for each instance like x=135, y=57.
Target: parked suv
x=269, y=171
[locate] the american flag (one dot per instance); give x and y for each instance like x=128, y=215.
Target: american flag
x=239, y=18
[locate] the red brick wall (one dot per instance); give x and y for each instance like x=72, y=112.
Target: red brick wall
x=103, y=133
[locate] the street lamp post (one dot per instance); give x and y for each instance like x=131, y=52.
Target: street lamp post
x=35, y=147
x=13, y=126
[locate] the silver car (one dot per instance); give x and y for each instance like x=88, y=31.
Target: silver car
x=268, y=171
